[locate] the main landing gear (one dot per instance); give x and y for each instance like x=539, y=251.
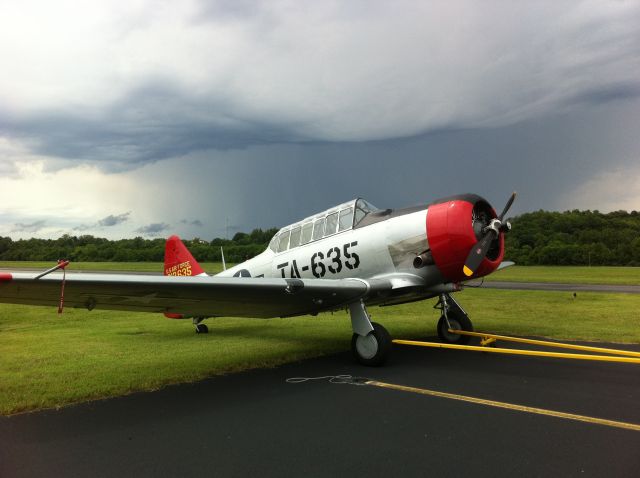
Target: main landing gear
x=455, y=318
x=200, y=327
x=371, y=343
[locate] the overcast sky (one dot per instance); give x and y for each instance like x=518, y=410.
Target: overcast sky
x=202, y=118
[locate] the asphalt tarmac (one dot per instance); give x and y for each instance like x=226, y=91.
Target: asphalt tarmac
x=256, y=424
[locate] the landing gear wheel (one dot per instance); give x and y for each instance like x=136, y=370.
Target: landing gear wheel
x=202, y=329
x=458, y=322
x=372, y=349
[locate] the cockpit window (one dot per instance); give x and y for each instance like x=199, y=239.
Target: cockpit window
x=283, y=242
x=362, y=209
x=332, y=224
x=346, y=219
x=273, y=245
x=306, y=233
x=295, y=237
x=337, y=219
x=318, y=229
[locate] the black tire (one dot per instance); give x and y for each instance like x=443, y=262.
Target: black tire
x=202, y=329
x=372, y=350
x=458, y=321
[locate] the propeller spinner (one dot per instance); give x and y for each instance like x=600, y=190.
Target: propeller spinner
x=492, y=231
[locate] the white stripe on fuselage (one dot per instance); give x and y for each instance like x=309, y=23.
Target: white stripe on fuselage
x=384, y=247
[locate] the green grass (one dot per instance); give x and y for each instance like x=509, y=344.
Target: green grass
x=569, y=275
x=48, y=360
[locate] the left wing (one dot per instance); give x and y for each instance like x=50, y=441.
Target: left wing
x=188, y=296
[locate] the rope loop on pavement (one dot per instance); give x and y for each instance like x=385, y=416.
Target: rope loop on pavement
x=339, y=379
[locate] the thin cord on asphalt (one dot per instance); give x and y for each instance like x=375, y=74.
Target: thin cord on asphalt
x=339, y=379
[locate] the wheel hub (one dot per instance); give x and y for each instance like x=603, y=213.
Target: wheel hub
x=367, y=346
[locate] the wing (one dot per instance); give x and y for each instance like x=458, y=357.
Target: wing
x=188, y=296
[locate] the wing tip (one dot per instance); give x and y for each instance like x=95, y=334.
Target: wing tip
x=6, y=277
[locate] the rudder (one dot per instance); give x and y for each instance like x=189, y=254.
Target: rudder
x=178, y=261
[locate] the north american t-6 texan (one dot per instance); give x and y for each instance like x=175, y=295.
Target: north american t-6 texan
x=350, y=256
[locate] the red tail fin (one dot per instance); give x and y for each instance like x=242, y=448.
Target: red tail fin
x=178, y=261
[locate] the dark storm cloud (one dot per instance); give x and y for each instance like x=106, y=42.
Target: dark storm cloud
x=152, y=123
x=112, y=220
x=31, y=227
x=153, y=229
x=544, y=159
x=294, y=73
x=155, y=123
x=279, y=110
x=108, y=221
x=608, y=93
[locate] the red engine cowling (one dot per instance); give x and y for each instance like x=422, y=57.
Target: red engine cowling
x=454, y=226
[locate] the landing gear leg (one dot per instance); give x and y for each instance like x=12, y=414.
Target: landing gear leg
x=453, y=317
x=370, y=343
x=200, y=328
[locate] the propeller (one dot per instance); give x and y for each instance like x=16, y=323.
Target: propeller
x=492, y=231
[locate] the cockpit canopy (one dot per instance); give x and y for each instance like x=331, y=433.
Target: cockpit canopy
x=332, y=221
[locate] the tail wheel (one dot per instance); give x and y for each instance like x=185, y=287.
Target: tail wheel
x=372, y=349
x=458, y=322
x=202, y=329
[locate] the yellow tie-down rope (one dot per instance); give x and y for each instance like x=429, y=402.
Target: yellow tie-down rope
x=627, y=356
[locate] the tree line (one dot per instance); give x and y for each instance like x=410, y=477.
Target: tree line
x=537, y=238
x=575, y=238
x=89, y=248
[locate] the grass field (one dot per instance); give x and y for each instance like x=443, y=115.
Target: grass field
x=569, y=275
x=48, y=360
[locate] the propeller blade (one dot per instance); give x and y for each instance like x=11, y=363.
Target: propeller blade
x=507, y=206
x=477, y=254
x=479, y=250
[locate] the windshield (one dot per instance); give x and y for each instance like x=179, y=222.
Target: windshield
x=362, y=209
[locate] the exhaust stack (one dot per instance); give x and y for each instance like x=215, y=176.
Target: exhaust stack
x=424, y=259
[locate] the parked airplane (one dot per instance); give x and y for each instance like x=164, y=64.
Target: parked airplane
x=350, y=256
